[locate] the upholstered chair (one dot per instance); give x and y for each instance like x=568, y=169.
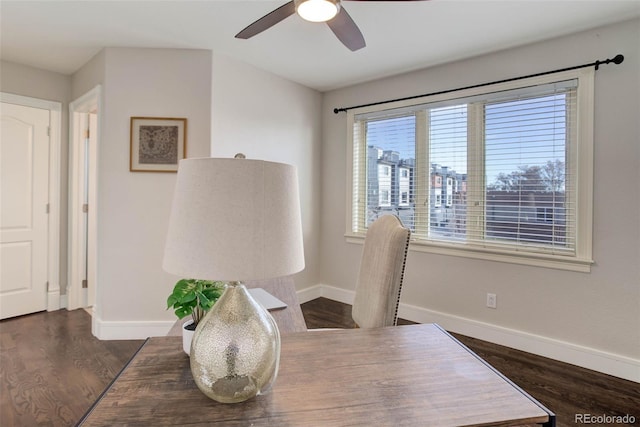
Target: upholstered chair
x=381, y=273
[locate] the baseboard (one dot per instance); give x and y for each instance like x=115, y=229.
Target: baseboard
x=64, y=301
x=326, y=291
x=586, y=357
x=53, y=300
x=311, y=293
x=128, y=330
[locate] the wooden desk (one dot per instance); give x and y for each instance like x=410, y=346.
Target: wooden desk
x=289, y=319
x=415, y=375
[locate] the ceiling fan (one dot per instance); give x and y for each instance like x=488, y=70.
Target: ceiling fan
x=329, y=11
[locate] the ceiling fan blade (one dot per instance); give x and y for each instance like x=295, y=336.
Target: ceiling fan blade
x=268, y=21
x=347, y=31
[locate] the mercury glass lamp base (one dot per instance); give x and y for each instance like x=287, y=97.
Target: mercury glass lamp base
x=235, y=351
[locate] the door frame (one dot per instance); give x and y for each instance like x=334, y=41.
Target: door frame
x=53, y=225
x=79, y=236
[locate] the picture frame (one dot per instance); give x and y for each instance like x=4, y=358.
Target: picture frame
x=157, y=144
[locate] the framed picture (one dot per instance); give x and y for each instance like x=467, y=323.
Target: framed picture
x=157, y=144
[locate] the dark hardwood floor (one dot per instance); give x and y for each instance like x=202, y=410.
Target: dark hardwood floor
x=52, y=369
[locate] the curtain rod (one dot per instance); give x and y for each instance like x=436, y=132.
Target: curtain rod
x=616, y=60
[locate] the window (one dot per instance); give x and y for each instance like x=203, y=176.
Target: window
x=385, y=200
x=490, y=172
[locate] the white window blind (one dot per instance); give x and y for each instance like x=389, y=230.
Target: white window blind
x=494, y=171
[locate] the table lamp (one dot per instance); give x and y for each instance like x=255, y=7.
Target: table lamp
x=235, y=220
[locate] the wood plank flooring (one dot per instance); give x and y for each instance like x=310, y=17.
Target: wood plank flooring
x=52, y=369
x=565, y=389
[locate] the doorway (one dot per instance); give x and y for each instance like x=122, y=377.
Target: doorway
x=30, y=205
x=83, y=155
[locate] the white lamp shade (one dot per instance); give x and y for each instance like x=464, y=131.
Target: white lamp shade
x=234, y=220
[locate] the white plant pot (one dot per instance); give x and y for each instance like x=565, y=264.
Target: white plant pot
x=187, y=336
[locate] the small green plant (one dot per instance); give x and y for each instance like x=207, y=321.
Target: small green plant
x=194, y=297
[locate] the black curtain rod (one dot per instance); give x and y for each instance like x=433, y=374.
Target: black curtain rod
x=616, y=60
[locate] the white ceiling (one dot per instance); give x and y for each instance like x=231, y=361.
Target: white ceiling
x=62, y=36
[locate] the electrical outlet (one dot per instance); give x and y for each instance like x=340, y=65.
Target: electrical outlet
x=492, y=301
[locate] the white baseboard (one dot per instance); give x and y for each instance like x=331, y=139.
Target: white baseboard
x=64, y=301
x=129, y=330
x=53, y=300
x=311, y=293
x=586, y=357
x=326, y=291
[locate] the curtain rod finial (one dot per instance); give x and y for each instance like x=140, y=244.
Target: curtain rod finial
x=618, y=59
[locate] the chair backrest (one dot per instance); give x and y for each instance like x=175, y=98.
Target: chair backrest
x=381, y=273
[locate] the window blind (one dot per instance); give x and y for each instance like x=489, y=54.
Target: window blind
x=492, y=170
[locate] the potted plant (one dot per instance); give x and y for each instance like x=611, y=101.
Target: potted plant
x=193, y=297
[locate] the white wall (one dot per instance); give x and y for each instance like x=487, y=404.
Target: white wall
x=89, y=76
x=36, y=83
x=231, y=107
x=133, y=207
x=270, y=118
x=559, y=313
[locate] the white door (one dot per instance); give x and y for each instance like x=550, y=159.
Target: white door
x=24, y=183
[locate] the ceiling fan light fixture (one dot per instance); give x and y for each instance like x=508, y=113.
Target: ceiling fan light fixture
x=317, y=10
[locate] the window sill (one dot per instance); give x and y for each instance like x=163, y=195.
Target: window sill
x=531, y=259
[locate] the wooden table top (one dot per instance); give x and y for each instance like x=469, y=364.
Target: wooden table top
x=289, y=319
x=414, y=375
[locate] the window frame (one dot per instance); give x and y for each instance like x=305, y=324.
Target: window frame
x=580, y=156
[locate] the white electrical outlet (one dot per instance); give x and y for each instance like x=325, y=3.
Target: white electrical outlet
x=492, y=301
